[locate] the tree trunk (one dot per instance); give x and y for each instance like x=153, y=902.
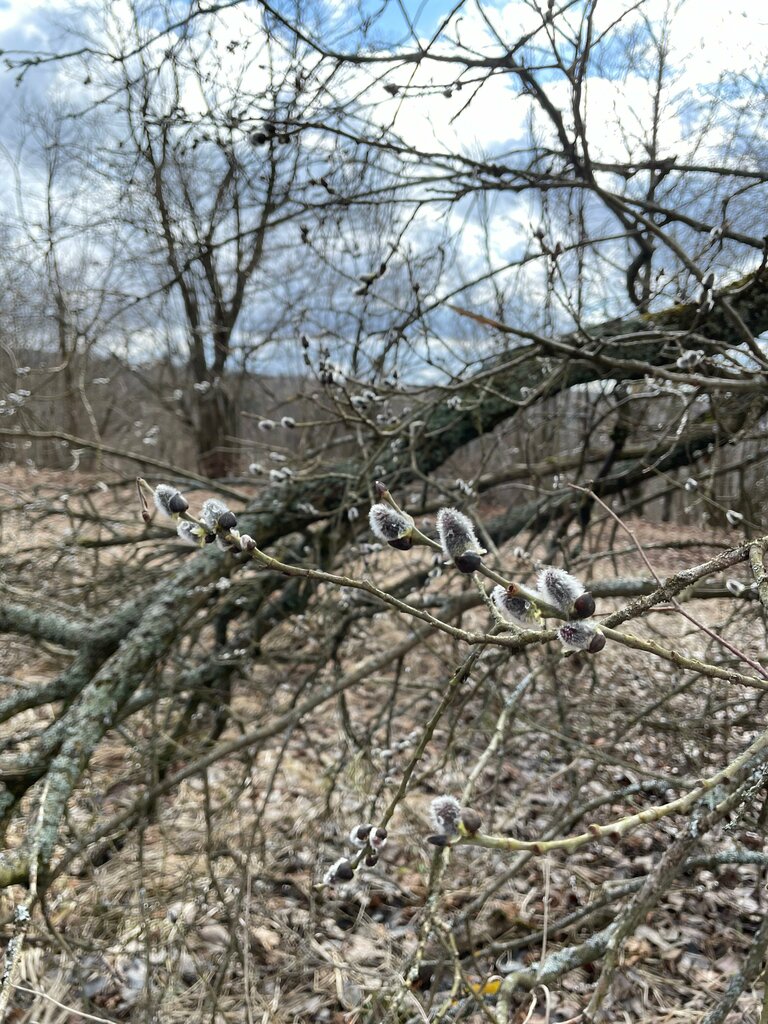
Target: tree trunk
x=216, y=433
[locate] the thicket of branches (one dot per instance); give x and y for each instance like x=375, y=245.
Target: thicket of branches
x=255, y=287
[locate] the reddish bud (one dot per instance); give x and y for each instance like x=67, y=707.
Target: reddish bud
x=584, y=606
x=598, y=643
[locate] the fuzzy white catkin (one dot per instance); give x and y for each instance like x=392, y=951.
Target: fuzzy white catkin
x=445, y=814
x=387, y=524
x=212, y=511
x=163, y=495
x=188, y=532
x=514, y=609
x=457, y=534
x=559, y=588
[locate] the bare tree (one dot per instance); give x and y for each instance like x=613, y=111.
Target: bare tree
x=207, y=172
x=439, y=766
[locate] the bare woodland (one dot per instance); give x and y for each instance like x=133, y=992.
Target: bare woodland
x=383, y=586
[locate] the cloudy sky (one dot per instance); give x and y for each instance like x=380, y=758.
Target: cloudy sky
x=707, y=40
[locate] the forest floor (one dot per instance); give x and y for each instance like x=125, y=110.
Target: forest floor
x=214, y=909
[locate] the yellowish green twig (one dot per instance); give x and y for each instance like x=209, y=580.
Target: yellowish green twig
x=622, y=826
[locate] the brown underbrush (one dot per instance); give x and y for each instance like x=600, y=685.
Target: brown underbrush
x=213, y=909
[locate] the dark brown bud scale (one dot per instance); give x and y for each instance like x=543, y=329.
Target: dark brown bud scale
x=227, y=521
x=584, y=605
x=371, y=860
x=598, y=643
x=438, y=840
x=345, y=872
x=471, y=820
x=380, y=489
x=177, y=503
x=401, y=543
x=468, y=563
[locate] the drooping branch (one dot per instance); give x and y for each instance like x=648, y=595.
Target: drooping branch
x=90, y=717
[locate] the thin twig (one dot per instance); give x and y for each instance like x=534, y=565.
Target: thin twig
x=737, y=652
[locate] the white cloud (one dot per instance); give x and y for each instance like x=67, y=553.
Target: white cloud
x=706, y=41
x=709, y=39
x=14, y=12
